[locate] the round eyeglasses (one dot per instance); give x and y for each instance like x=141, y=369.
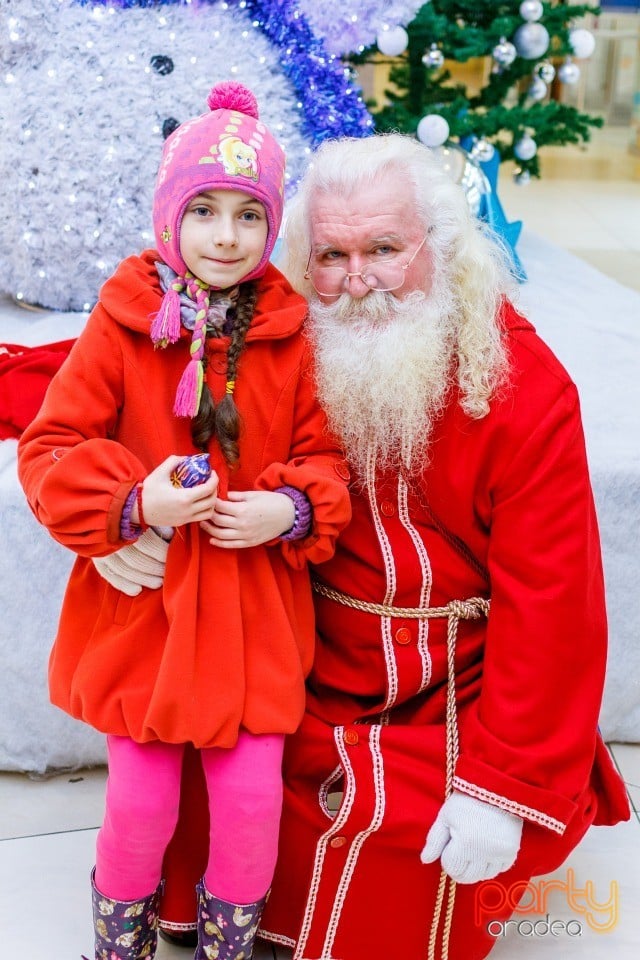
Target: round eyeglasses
x=381, y=275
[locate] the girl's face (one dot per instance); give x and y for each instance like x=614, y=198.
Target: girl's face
x=222, y=236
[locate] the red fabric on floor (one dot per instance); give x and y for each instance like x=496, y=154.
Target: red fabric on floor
x=25, y=374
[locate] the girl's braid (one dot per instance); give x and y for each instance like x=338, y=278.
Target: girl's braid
x=224, y=420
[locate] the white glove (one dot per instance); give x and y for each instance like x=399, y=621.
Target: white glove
x=140, y=564
x=474, y=840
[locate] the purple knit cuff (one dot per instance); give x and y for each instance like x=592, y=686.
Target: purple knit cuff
x=303, y=514
x=128, y=529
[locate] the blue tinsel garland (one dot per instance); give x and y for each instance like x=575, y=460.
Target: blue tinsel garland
x=330, y=105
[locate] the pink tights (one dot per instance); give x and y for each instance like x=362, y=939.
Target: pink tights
x=143, y=791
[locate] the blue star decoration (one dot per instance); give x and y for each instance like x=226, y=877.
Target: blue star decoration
x=492, y=213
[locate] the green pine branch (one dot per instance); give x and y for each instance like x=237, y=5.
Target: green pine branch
x=501, y=111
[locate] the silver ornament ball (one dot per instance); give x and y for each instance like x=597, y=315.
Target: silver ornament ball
x=537, y=89
x=504, y=52
x=466, y=171
x=531, y=10
x=582, y=42
x=546, y=71
x=525, y=148
x=432, y=130
x=482, y=150
x=569, y=72
x=392, y=41
x=433, y=57
x=531, y=40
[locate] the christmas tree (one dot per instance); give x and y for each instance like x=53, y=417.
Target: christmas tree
x=527, y=46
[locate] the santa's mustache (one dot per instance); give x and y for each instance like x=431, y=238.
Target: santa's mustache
x=383, y=371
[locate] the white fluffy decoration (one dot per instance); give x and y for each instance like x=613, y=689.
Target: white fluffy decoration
x=347, y=26
x=34, y=735
x=82, y=113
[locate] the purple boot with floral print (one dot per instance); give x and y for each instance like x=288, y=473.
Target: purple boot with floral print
x=226, y=931
x=125, y=930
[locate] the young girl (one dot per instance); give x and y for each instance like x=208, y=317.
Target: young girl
x=195, y=347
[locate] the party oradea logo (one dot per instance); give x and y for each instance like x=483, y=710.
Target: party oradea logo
x=532, y=903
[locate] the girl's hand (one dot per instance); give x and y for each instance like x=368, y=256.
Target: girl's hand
x=249, y=518
x=166, y=505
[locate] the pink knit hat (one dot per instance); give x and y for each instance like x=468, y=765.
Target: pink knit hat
x=226, y=149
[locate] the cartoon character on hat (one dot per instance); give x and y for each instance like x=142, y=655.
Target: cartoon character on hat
x=237, y=157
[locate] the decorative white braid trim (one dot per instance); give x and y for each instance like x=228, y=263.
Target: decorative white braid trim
x=358, y=841
x=385, y=546
x=527, y=813
x=276, y=938
x=321, y=846
x=427, y=579
x=390, y=576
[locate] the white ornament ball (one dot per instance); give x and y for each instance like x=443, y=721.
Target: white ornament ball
x=433, y=130
x=537, y=89
x=569, y=72
x=531, y=40
x=531, y=10
x=546, y=71
x=504, y=52
x=525, y=148
x=393, y=41
x=522, y=178
x=582, y=42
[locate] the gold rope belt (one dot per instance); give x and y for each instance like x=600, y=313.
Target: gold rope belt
x=454, y=611
x=469, y=609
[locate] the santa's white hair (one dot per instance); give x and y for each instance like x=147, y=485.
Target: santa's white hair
x=471, y=275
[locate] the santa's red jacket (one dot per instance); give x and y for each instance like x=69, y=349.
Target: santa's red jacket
x=504, y=512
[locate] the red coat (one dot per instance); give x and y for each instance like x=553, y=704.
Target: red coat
x=228, y=641
x=504, y=511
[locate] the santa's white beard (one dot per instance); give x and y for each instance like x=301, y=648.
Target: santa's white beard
x=383, y=373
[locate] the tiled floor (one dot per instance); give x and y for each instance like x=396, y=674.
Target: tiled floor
x=589, y=203
x=47, y=840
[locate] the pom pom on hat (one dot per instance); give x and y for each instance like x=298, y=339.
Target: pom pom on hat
x=230, y=95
